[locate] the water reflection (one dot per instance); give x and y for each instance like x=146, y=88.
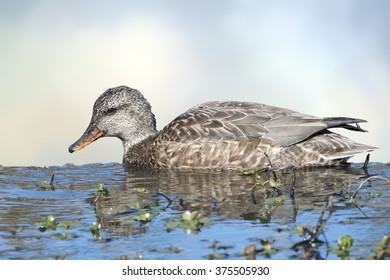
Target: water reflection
x=239, y=212
x=227, y=195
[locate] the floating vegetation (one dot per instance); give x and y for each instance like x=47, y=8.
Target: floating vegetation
x=190, y=222
x=215, y=246
x=345, y=243
x=382, y=251
x=102, y=190
x=141, y=191
x=60, y=257
x=46, y=184
x=219, y=251
x=216, y=199
x=144, y=217
x=95, y=230
x=123, y=257
x=250, y=251
x=52, y=223
x=267, y=250
x=216, y=256
x=62, y=235
x=175, y=249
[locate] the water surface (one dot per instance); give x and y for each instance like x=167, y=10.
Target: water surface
x=235, y=216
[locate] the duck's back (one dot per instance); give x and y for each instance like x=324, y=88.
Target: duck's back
x=245, y=135
x=232, y=120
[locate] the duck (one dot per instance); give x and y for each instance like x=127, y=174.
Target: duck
x=219, y=135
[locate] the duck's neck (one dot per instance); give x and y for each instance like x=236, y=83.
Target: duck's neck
x=130, y=142
x=134, y=133
x=138, y=152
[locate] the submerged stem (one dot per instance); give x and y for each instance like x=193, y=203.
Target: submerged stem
x=366, y=180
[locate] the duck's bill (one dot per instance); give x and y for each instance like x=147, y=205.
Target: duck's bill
x=91, y=134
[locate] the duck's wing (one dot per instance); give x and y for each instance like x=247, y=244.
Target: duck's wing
x=214, y=121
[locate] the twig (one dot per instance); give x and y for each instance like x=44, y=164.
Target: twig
x=293, y=181
x=292, y=192
x=322, y=221
x=366, y=161
x=167, y=198
x=307, y=245
x=269, y=160
x=364, y=181
x=253, y=196
x=360, y=209
x=52, y=183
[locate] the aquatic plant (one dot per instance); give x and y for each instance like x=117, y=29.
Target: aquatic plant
x=143, y=217
x=52, y=223
x=382, y=251
x=46, y=184
x=189, y=222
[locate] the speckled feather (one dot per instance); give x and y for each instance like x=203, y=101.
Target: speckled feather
x=224, y=135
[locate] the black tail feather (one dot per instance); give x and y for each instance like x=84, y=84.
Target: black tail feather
x=344, y=123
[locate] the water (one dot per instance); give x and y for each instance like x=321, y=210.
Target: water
x=235, y=215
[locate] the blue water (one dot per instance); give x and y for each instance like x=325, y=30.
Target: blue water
x=234, y=216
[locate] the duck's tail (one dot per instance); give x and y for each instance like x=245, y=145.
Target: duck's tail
x=343, y=122
x=338, y=148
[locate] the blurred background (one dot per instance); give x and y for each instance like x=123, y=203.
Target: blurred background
x=325, y=58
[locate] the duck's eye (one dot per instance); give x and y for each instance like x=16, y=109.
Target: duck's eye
x=110, y=111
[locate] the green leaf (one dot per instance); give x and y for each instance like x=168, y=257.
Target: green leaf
x=51, y=222
x=345, y=242
x=141, y=191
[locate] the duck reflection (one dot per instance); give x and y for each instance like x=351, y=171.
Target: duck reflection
x=227, y=195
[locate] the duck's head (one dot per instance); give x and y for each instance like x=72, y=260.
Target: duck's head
x=119, y=112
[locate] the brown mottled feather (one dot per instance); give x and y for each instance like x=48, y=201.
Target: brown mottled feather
x=226, y=135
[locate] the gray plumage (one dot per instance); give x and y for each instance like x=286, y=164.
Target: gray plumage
x=219, y=135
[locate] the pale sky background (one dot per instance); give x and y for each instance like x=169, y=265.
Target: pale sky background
x=325, y=58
